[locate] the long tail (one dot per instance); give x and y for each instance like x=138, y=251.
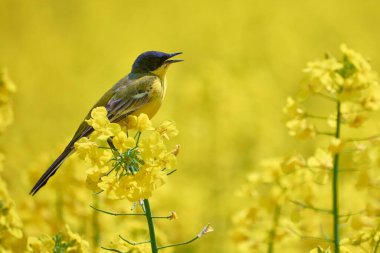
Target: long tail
x=52, y=169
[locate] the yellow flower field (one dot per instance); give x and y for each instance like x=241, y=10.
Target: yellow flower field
x=275, y=105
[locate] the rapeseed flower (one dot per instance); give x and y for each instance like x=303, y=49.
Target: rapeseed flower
x=7, y=88
x=289, y=196
x=10, y=223
x=127, y=167
x=65, y=241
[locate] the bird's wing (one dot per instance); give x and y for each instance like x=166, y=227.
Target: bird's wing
x=124, y=98
x=119, y=107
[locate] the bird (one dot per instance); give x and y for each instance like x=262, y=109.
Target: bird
x=140, y=91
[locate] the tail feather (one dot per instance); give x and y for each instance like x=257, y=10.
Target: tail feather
x=52, y=169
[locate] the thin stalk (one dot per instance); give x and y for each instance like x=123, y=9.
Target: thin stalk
x=335, y=199
x=132, y=243
x=316, y=116
x=326, y=97
x=306, y=206
x=152, y=233
x=113, y=250
x=325, y=133
x=369, y=138
x=313, y=238
x=179, y=244
x=272, y=233
x=117, y=214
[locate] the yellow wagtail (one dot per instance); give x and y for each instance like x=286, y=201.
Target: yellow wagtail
x=141, y=91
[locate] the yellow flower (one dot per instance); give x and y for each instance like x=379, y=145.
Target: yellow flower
x=336, y=145
x=10, y=223
x=131, y=122
x=300, y=128
x=292, y=109
x=65, y=241
x=152, y=147
x=360, y=75
x=122, y=142
x=139, y=123
x=103, y=128
x=352, y=73
x=292, y=163
x=143, y=123
x=322, y=75
x=89, y=150
x=143, y=183
x=110, y=185
x=44, y=244
x=6, y=86
x=167, y=129
x=173, y=216
x=322, y=177
x=352, y=114
x=129, y=188
x=137, y=167
x=93, y=177
x=371, y=101
x=322, y=159
x=84, y=147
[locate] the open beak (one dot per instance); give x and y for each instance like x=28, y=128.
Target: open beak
x=168, y=61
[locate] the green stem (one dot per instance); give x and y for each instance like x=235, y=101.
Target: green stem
x=272, y=233
x=152, y=233
x=316, y=116
x=335, y=198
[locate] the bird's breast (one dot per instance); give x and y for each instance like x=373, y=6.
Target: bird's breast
x=156, y=93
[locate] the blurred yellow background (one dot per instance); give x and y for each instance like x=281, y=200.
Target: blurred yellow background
x=242, y=59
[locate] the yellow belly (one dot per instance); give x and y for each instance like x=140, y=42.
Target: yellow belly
x=150, y=108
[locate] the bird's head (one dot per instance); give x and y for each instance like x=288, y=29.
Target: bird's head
x=153, y=62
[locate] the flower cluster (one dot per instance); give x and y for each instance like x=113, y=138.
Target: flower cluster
x=277, y=194
x=349, y=79
x=7, y=87
x=291, y=198
x=65, y=241
x=10, y=223
x=351, y=73
x=124, y=166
